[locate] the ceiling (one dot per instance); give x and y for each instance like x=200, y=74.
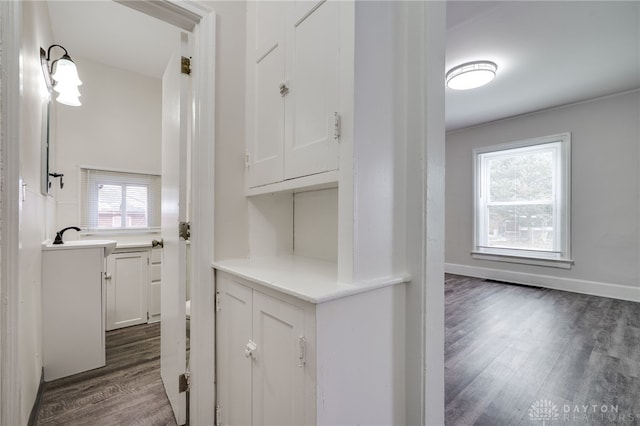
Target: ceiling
x=548, y=53
x=112, y=34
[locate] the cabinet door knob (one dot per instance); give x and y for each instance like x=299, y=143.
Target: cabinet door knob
x=250, y=351
x=284, y=90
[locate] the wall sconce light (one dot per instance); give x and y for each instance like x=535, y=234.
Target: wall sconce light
x=62, y=76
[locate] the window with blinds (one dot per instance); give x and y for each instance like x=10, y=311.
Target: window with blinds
x=119, y=200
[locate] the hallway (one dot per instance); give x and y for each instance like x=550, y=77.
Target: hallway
x=127, y=391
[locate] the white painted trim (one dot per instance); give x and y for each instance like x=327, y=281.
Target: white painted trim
x=172, y=12
x=202, y=359
x=594, y=288
x=421, y=53
x=202, y=353
x=523, y=260
x=306, y=183
x=10, y=83
x=434, y=214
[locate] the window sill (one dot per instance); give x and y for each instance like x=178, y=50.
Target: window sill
x=121, y=231
x=523, y=260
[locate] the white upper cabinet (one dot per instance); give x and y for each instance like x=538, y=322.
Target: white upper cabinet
x=265, y=112
x=312, y=107
x=293, y=89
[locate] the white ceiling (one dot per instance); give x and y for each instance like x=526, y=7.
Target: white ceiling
x=112, y=34
x=548, y=53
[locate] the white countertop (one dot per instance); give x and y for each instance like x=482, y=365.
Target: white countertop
x=311, y=280
x=108, y=245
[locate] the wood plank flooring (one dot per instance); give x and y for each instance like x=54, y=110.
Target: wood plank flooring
x=127, y=391
x=509, y=347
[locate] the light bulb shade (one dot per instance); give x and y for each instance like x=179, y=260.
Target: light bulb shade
x=471, y=75
x=66, y=71
x=68, y=99
x=70, y=89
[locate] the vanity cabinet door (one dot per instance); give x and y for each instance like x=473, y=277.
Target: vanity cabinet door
x=278, y=368
x=127, y=280
x=260, y=357
x=233, y=368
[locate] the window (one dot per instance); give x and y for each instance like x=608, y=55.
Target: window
x=522, y=199
x=119, y=201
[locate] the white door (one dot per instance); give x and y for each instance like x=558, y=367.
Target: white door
x=313, y=67
x=233, y=365
x=175, y=96
x=266, y=74
x=278, y=367
x=127, y=280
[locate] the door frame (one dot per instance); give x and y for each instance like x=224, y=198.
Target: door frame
x=203, y=26
x=200, y=20
x=10, y=36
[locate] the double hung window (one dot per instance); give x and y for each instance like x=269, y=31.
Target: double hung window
x=522, y=200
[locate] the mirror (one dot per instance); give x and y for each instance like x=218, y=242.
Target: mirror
x=45, y=185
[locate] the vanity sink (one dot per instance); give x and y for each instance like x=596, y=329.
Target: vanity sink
x=109, y=245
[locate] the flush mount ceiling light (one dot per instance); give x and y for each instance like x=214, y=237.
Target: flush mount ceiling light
x=471, y=75
x=62, y=76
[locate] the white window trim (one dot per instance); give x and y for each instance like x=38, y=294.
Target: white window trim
x=562, y=257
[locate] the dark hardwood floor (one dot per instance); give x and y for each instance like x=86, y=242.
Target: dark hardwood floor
x=127, y=391
x=514, y=355
x=522, y=355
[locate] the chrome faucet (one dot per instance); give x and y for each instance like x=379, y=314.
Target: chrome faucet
x=58, y=239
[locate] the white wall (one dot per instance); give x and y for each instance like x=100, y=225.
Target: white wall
x=36, y=211
x=231, y=206
x=605, y=206
x=315, y=224
x=118, y=127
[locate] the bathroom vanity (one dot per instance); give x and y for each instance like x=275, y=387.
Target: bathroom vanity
x=72, y=306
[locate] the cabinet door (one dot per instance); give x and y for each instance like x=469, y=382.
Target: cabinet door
x=156, y=282
x=233, y=368
x=278, y=375
x=265, y=115
x=313, y=67
x=127, y=283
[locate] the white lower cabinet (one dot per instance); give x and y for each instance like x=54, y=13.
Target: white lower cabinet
x=263, y=351
x=127, y=282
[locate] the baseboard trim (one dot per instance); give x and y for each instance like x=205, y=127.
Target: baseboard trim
x=594, y=288
x=35, y=410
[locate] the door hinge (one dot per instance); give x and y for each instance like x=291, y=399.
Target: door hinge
x=218, y=297
x=184, y=230
x=185, y=65
x=302, y=351
x=247, y=160
x=218, y=415
x=336, y=126
x=147, y=316
x=184, y=382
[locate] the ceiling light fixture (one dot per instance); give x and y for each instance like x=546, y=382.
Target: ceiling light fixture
x=64, y=79
x=471, y=75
